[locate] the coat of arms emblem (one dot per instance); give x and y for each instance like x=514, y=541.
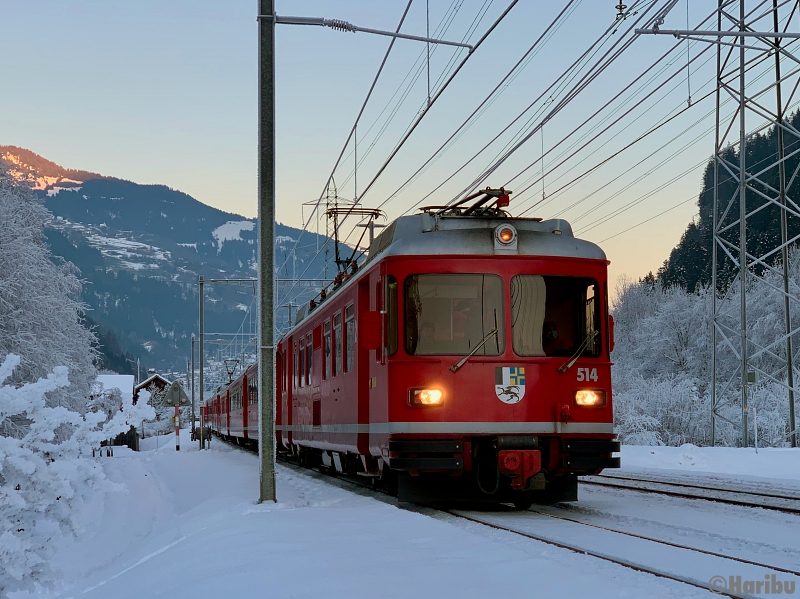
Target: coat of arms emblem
x=509, y=384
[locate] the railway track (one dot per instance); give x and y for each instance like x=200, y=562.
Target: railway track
x=784, y=501
x=636, y=552
x=622, y=558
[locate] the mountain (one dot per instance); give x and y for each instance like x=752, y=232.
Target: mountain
x=689, y=263
x=141, y=249
x=38, y=172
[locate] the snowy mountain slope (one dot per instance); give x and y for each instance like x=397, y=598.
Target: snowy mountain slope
x=38, y=172
x=141, y=249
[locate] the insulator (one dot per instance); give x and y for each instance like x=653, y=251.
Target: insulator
x=339, y=24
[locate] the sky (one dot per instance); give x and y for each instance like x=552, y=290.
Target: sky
x=166, y=92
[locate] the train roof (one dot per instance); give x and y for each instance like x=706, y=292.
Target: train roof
x=435, y=234
x=427, y=233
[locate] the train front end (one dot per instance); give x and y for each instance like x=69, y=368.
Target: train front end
x=497, y=357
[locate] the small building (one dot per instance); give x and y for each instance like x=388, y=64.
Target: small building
x=155, y=383
x=159, y=386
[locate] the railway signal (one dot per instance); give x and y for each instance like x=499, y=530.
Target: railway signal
x=176, y=397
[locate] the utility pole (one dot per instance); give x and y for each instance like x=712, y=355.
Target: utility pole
x=193, y=403
x=202, y=348
x=371, y=226
x=266, y=247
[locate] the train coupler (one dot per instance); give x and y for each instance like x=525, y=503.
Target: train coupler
x=521, y=465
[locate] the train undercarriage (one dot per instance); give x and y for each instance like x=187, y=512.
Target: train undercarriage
x=520, y=470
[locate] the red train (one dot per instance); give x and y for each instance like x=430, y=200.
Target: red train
x=468, y=358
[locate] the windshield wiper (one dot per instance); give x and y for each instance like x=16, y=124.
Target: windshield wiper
x=568, y=364
x=463, y=360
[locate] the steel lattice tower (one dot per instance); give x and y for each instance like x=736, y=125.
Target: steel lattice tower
x=748, y=190
x=758, y=70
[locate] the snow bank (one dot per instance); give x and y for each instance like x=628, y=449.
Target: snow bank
x=770, y=462
x=190, y=527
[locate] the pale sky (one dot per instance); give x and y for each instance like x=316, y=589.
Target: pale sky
x=165, y=92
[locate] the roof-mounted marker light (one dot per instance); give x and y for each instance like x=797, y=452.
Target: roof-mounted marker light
x=505, y=234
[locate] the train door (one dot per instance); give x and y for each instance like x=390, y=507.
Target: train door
x=362, y=368
x=288, y=391
x=228, y=412
x=278, y=384
x=244, y=393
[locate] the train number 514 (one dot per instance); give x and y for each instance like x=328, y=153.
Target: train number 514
x=587, y=374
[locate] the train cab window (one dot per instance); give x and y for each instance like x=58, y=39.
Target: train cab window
x=338, y=341
x=555, y=316
x=326, y=349
x=350, y=323
x=391, y=315
x=309, y=360
x=452, y=315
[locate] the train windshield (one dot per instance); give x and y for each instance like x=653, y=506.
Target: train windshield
x=449, y=315
x=555, y=316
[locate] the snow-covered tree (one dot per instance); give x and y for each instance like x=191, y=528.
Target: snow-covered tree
x=44, y=481
x=40, y=301
x=662, y=362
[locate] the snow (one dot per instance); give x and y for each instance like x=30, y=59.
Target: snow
x=123, y=382
x=126, y=248
x=56, y=190
x=230, y=231
x=189, y=526
x=736, y=462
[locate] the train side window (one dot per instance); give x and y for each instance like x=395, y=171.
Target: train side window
x=337, y=333
x=302, y=374
x=294, y=367
x=391, y=315
x=309, y=359
x=326, y=348
x=278, y=374
x=252, y=393
x=350, y=323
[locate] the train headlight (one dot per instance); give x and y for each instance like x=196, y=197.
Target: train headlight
x=590, y=398
x=425, y=397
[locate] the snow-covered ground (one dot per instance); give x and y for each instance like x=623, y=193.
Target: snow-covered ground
x=190, y=526
x=769, y=462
